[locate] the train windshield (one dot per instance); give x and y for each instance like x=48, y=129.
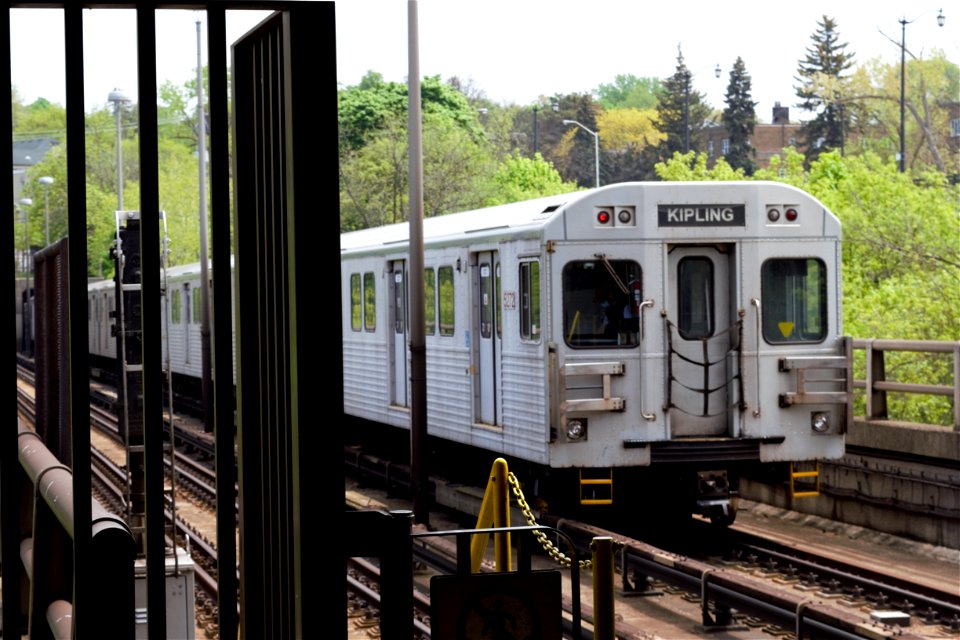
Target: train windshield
x=600, y=303
x=794, y=293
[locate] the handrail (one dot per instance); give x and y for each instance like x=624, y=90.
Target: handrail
x=877, y=385
x=49, y=505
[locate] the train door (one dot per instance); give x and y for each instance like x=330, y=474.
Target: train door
x=187, y=311
x=398, y=336
x=702, y=335
x=488, y=332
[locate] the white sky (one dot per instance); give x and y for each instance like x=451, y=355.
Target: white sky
x=517, y=50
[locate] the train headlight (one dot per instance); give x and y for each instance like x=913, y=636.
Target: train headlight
x=820, y=421
x=576, y=429
x=773, y=214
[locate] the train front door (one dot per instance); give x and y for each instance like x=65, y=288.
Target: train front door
x=702, y=336
x=398, y=334
x=488, y=331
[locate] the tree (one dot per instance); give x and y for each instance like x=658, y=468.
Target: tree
x=571, y=149
x=821, y=78
x=627, y=91
x=520, y=178
x=739, y=118
x=626, y=136
x=681, y=112
x=692, y=166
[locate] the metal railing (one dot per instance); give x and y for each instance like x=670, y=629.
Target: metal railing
x=877, y=385
x=46, y=550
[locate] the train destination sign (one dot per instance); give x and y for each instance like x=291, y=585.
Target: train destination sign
x=701, y=215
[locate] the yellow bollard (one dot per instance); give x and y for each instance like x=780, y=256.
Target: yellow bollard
x=603, y=616
x=494, y=512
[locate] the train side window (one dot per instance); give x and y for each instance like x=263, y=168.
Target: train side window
x=486, y=300
x=530, y=301
x=446, y=298
x=794, y=295
x=695, y=297
x=600, y=309
x=356, y=309
x=429, y=301
x=369, y=302
x=175, y=306
x=197, y=307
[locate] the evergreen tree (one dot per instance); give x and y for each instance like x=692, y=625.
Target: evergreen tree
x=740, y=118
x=681, y=113
x=821, y=80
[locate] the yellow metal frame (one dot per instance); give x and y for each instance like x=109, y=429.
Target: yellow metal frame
x=804, y=474
x=494, y=512
x=608, y=481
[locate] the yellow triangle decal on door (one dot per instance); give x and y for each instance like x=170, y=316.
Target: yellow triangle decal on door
x=786, y=328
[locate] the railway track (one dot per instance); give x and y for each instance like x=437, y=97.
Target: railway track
x=751, y=584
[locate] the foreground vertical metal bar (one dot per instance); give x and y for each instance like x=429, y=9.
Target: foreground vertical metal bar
x=603, y=590
x=155, y=524
x=84, y=574
x=315, y=249
x=222, y=347
x=9, y=466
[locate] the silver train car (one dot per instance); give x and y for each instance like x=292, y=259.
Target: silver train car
x=181, y=335
x=639, y=343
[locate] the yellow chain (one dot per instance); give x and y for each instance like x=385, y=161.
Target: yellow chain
x=548, y=546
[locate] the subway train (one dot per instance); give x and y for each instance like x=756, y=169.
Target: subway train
x=638, y=346
x=629, y=348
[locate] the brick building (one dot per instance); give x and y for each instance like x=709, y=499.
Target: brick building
x=768, y=139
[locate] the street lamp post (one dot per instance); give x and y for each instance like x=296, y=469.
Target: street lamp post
x=118, y=97
x=26, y=202
x=596, y=146
x=686, y=105
x=903, y=75
x=46, y=181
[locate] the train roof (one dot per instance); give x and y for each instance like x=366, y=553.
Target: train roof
x=526, y=213
x=573, y=213
x=178, y=272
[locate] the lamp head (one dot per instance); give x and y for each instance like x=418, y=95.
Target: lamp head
x=45, y=180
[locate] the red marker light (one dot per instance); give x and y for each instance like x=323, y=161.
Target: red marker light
x=791, y=214
x=603, y=217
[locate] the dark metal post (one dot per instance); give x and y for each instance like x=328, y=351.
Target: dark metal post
x=396, y=578
x=903, y=68
x=155, y=544
x=686, y=111
x=418, y=351
x=205, y=381
x=9, y=467
x=83, y=569
x=536, y=130
x=223, y=403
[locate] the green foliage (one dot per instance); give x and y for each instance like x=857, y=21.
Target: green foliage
x=374, y=103
x=692, y=166
x=822, y=87
x=629, y=92
x=520, y=178
x=739, y=117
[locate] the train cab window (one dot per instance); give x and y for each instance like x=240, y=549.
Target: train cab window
x=175, y=306
x=530, y=301
x=794, y=295
x=429, y=301
x=197, y=307
x=356, y=309
x=695, y=297
x=600, y=309
x=446, y=298
x=369, y=302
